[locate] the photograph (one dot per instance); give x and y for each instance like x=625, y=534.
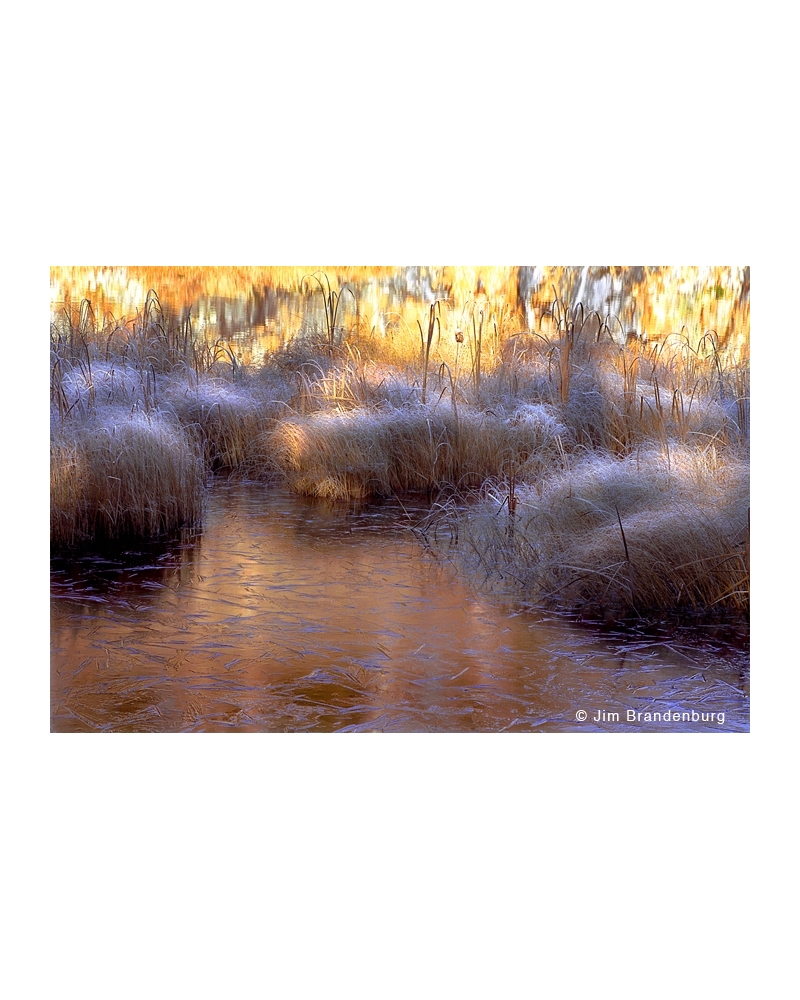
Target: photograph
x=402, y=499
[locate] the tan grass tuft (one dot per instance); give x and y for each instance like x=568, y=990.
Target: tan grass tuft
x=373, y=453
x=129, y=476
x=641, y=535
x=227, y=421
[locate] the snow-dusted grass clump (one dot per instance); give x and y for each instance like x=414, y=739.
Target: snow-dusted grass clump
x=650, y=532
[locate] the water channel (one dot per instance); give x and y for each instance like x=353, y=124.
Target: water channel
x=287, y=614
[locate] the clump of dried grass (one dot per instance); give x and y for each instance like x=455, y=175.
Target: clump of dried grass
x=122, y=475
x=227, y=420
x=634, y=536
x=365, y=453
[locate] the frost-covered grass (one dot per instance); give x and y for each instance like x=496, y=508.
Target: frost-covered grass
x=643, y=533
x=611, y=477
x=377, y=452
x=118, y=474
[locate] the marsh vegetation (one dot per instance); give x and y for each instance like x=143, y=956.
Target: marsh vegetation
x=581, y=435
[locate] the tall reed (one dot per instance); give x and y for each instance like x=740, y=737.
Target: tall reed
x=425, y=344
x=331, y=300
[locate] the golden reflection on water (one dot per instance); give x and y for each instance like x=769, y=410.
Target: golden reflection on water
x=290, y=615
x=261, y=307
